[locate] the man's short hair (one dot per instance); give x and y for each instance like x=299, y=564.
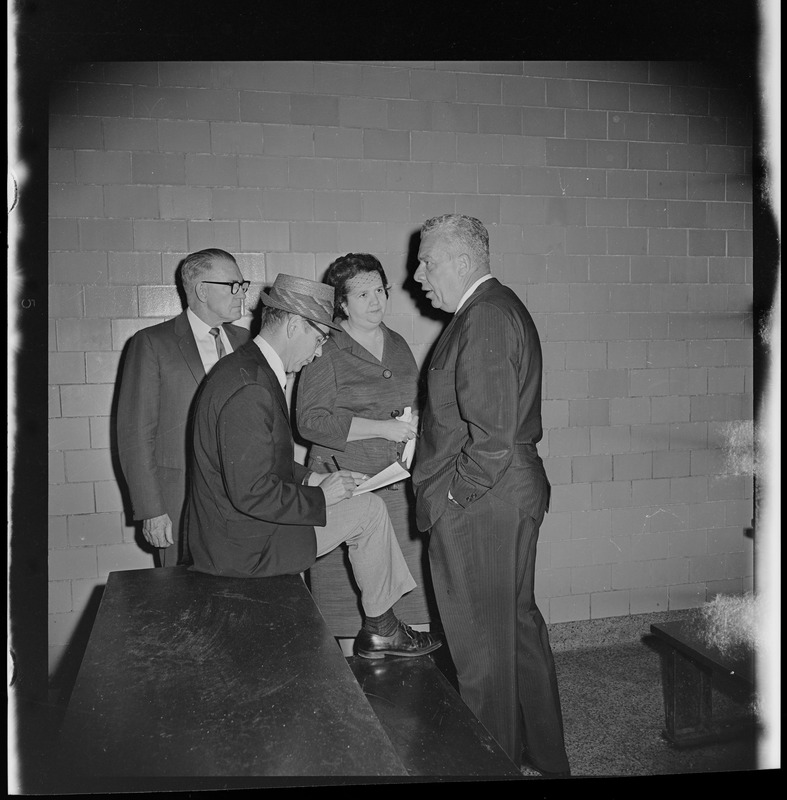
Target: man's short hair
x=469, y=231
x=271, y=317
x=196, y=265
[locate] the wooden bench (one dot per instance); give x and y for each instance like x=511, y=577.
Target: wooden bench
x=192, y=675
x=431, y=728
x=689, y=669
x=192, y=681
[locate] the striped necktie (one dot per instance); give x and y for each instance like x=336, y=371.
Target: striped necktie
x=215, y=333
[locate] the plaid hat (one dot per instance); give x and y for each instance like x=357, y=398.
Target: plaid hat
x=301, y=296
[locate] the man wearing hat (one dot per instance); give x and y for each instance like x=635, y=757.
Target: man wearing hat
x=253, y=510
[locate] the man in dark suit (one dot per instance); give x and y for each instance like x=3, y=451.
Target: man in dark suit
x=163, y=368
x=481, y=488
x=253, y=511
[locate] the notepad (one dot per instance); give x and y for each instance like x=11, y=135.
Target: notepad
x=391, y=474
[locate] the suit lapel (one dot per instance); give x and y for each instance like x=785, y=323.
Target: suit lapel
x=269, y=375
x=454, y=324
x=188, y=347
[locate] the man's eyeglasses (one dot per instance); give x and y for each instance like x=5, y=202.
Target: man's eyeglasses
x=323, y=336
x=234, y=285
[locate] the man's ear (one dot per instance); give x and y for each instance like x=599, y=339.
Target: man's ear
x=293, y=325
x=463, y=264
x=201, y=291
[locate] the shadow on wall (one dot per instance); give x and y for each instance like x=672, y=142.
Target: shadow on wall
x=65, y=675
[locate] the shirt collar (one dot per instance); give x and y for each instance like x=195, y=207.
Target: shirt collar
x=273, y=359
x=467, y=294
x=199, y=327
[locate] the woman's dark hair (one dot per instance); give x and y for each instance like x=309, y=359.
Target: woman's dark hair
x=344, y=269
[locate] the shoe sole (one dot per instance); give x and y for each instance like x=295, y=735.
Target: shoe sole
x=374, y=654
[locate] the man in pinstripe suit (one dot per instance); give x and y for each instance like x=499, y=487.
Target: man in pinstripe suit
x=482, y=491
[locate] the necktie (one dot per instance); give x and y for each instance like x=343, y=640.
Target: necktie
x=215, y=333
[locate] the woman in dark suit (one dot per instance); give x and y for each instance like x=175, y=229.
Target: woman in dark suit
x=347, y=404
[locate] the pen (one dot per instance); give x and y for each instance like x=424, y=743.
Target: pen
x=333, y=458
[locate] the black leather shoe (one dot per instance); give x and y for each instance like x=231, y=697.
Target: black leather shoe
x=405, y=642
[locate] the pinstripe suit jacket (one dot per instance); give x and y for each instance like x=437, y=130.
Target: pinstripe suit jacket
x=161, y=374
x=482, y=418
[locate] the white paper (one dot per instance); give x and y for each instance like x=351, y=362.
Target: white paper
x=391, y=474
x=409, y=448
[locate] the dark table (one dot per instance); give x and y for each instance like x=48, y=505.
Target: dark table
x=194, y=675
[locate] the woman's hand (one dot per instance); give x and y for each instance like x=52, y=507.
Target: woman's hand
x=397, y=430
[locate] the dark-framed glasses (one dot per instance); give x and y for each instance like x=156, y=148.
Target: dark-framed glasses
x=323, y=336
x=235, y=286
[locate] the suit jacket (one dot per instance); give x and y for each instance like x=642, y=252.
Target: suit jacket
x=248, y=512
x=482, y=417
x=161, y=375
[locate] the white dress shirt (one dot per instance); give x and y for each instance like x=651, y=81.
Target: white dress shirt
x=471, y=290
x=206, y=344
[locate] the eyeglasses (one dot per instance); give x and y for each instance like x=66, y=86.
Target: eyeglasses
x=234, y=285
x=323, y=336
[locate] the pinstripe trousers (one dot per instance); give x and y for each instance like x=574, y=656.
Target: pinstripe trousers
x=483, y=566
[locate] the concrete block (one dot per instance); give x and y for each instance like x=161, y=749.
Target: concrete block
x=158, y=168
x=706, y=186
x=289, y=205
x=707, y=130
x=184, y=202
x=264, y=236
x=234, y=204
x=588, y=469
x=211, y=170
x=66, y=368
x=609, y=440
x=61, y=166
x=69, y=434
x=461, y=118
x=725, y=540
x=608, y=269
x=134, y=268
x=86, y=400
x=608, y=383
x=632, y=466
x=590, y=125
x=727, y=215
x=568, y=609
x=264, y=107
x=707, y=568
x=607, y=155
x=105, y=234
x=566, y=152
x=499, y=179
x=608, y=549
x=471, y=88
x=629, y=410
x=94, y=529
x=56, y=468
x=61, y=628
x=53, y=401
x=313, y=173
x=361, y=112
x=159, y=102
x=646, y=601
x=499, y=119
x=365, y=237
x=667, y=242
x=577, y=182
x=82, y=334
x=610, y=96
x=651, y=492
x=71, y=498
x=588, y=412
x=385, y=207
x=523, y=91
x=483, y=207
x=433, y=85
x=284, y=140
x=313, y=236
x=556, y=526
x=648, y=326
x=572, y=497
x=59, y=596
x=609, y=604
x=667, y=128
x=75, y=200
x=88, y=465
x=611, y=495
x=378, y=81
x=455, y=177
x=210, y=104
x=338, y=143
x=670, y=409
x=529, y=151
x=72, y=132
x=102, y=166
x=299, y=264
x=184, y=136
x=116, y=557
x=688, y=544
x=130, y=134
x=610, y=326
x=567, y=93
x=669, y=464
x=628, y=126
x=630, y=298
x=647, y=438
x=572, y=553
x=110, y=301
x=626, y=522
x=108, y=497
x=77, y=562
x=592, y=578
x=479, y=148
x=160, y=235
x=627, y=241
x=566, y=385
x=186, y=73
x=312, y=110
x=224, y=234
x=707, y=514
x=159, y=301
x=100, y=432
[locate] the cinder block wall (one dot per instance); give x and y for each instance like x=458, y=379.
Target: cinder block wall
x=618, y=196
